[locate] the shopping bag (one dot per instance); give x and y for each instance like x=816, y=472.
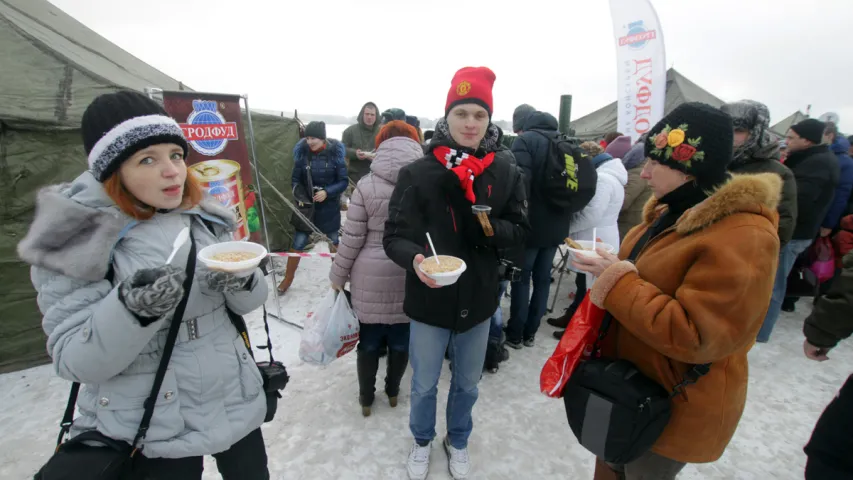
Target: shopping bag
x=576, y=345
x=330, y=330
x=822, y=259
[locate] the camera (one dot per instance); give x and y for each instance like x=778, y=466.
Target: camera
x=275, y=379
x=507, y=271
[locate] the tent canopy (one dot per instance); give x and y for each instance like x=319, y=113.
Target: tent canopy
x=678, y=90
x=51, y=68
x=782, y=127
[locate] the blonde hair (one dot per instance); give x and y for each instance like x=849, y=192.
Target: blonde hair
x=592, y=148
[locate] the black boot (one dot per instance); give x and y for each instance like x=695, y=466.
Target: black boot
x=367, y=363
x=493, y=357
x=397, y=363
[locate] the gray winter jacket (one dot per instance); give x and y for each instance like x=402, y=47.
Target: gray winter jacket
x=377, y=284
x=212, y=393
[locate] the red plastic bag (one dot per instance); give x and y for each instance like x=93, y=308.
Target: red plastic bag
x=576, y=344
x=822, y=259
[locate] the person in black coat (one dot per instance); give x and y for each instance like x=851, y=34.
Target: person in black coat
x=830, y=322
x=465, y=167
x=549, y=228
x=816, y=172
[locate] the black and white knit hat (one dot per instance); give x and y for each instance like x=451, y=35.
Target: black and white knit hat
x=117, y=125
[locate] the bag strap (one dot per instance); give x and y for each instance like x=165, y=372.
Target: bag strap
x=177, y=319
x=692, y=375
x=240, y=324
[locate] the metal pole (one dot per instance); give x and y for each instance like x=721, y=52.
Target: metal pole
x=565, y=114
x=263, y=211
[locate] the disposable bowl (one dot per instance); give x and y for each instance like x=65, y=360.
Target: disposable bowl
x=241, y=269
x=444, y=278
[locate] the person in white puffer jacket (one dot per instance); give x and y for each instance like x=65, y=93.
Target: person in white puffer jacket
x=600, y=215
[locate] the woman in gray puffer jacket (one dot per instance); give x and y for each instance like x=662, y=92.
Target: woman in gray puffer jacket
x=107, y=330
x=377, y=283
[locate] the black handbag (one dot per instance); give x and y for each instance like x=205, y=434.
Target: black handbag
x=80, y=458
x=303, y=194
x=613, y=409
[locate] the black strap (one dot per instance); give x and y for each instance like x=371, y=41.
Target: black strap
x=177, y=319
x=240, y=324
x=696, y=371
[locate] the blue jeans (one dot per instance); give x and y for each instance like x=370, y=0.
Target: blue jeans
x=426, y=355
x=300, y=240
x=497, y=321
x=787, y=257
x=526, y=311
x=373, y=337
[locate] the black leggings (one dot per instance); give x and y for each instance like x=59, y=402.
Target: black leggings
x=245, y=460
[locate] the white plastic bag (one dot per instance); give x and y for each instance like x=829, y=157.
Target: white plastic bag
x=331, y=330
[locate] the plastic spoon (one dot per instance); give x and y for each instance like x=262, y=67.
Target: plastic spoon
x=429, y=239
x=593, y=239
x=180, y=240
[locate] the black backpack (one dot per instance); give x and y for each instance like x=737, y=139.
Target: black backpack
x=568, y=177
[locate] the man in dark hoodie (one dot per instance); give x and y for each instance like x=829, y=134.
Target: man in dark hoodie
x=816, y=172
x=549, y=228
x=360, y=139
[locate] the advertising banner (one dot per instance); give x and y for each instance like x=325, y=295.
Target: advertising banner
x=641, y=66
x=218, y=156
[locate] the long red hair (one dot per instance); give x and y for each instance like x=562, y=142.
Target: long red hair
x=131, y=206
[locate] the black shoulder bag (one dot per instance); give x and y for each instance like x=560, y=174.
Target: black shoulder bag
x=303, y=193
x=614, y=410
x=77, y=458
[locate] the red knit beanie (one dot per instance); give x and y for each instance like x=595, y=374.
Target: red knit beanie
x=471, y=85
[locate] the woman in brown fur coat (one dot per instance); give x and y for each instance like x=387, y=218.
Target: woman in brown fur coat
x=698, y=290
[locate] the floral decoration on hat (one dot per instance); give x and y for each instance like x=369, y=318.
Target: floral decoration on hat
x=670, y=143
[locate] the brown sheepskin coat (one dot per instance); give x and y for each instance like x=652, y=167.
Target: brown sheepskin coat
x=697, y=293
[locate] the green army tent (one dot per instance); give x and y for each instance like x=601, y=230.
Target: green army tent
x=52, y=68
x=679, y=90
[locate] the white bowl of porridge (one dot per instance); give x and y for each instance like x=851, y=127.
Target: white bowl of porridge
x=446, y=271
x=239, y=258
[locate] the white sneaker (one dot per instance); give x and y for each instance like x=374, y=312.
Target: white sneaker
x=418, y=463
x=457, y=461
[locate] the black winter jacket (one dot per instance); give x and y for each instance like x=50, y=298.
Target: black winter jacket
x=817, y=173
x=766, y=160
x=531, y=149
x=428, y=198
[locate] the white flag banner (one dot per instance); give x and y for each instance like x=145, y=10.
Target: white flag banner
x=641, y=66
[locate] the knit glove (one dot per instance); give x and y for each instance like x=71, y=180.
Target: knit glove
x=225, y=282
x=153, y=292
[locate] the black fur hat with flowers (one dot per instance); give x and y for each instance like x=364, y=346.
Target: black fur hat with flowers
x=696, y=139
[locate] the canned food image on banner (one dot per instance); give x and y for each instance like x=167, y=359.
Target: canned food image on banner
x=221, y=179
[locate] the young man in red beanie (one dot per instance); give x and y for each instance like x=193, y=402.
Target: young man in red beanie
x=465, y=166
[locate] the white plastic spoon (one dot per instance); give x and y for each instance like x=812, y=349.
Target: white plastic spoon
x=180, y=240
x=433, y=249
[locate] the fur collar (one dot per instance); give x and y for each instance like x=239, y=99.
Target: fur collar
x=76, y=236
x=743, y=193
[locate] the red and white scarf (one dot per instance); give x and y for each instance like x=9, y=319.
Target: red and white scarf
x=466, y=167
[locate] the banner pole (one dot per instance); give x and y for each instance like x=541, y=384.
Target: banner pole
x=279, y=316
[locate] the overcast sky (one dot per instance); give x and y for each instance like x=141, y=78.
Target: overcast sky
x=330, y=56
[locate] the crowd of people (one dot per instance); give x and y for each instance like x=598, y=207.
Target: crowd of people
x=706, y=214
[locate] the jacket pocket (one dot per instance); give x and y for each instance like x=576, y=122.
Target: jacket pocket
x=121, y=403
x=250, y=377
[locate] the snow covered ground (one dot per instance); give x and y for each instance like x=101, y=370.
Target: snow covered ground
x=319, y=432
